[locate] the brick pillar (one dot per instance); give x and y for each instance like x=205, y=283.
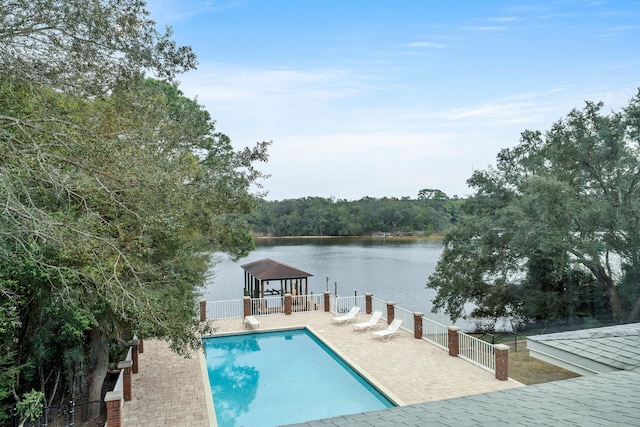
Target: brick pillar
x=454, y=346
x=113, y=402
x=203, y=311
x=141, y=346
x=390, y=311
x=287, y=304
x=502, y=361
x=126, y=365
x=368, y=303
x=327, y=300
x=417, y=325
x=247, y=306
x=134, y=354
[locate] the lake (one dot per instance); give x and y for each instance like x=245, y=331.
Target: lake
x=392, y=269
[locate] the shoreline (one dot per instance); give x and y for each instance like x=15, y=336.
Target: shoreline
x=433, y=238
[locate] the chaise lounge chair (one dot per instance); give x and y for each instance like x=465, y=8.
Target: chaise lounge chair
x=391, y=331
x=252, y=321
x=365, y=326
x=347, y=317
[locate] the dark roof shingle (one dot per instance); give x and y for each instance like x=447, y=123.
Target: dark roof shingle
x=268, y=269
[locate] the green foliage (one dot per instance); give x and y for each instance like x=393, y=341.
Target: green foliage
x=548, y=231
x=114, y=189
x=317, y=216
x=30, y=406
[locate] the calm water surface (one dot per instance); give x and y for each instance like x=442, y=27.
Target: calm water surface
x=391, y=269
x=252, y=378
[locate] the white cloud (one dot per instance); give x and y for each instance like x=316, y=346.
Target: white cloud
x=427, y=45
x=232, y=84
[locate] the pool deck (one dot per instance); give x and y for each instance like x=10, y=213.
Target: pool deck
x=170, y=390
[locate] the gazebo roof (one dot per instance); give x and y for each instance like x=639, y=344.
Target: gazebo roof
x=268, y=269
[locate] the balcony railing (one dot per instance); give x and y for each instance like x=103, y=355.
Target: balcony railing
x=474, y=350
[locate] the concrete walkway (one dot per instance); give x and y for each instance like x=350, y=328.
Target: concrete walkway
x=171, y=390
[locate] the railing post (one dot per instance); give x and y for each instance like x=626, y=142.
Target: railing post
x=390, y=311
x=327, y=300
x=502, y=361
x=368, y=298
x=203, y=311
x=287, y=304
x=125, y=365
x=114, y=415
x=247, y=306
x=417, y=325
x=134, y=354
x=454, y=341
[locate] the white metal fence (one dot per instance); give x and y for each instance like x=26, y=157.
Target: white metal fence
x=225, y=309
x=406, y=316
x=379, y=305
x=342, y=305
x=435, y=333
x=476, y=351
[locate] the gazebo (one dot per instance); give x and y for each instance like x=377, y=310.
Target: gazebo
x=259, y=273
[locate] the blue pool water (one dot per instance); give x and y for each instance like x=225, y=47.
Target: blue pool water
x=274, y=378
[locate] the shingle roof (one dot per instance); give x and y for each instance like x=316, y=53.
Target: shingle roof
x=611, y=399
x=268, y=269
x=614, y=346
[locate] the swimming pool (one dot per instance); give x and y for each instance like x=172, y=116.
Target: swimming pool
x=284, y=377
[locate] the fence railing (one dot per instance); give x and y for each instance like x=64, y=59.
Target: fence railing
x=313, y=302
x=119, y=385
x=406, y=316
x=225, y=309
x=342, y=305
x=436, y=333
x=476, y=351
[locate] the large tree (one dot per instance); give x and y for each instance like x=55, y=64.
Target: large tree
x=560, y=205
x=113, y=190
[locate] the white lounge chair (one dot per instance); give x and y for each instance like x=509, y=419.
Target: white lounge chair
x=365, y=326
x=347, y=317
x=252, y=321
x=391, y=331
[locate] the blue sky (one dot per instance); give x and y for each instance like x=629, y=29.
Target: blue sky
x=384, y=98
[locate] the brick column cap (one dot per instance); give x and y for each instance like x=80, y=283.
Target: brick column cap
x=327, y=292
x=288, y=295
x=125, y=364
x=110, y=396
x=368, y=294
x=454, y=328
x=391, y=303
x=134, y=341
x=417, y=313
x=501, y=347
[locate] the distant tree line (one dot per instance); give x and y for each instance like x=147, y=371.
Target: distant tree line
x=432, y=212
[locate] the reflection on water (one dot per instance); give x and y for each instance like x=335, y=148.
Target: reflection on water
x=236, y=385
x=392, y=269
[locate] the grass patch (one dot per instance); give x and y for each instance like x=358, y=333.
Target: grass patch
x=529, y=370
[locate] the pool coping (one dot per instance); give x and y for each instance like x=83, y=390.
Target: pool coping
x=353, y=365
x=208, y=396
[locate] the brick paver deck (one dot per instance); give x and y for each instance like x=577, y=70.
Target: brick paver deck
x=170, y=390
